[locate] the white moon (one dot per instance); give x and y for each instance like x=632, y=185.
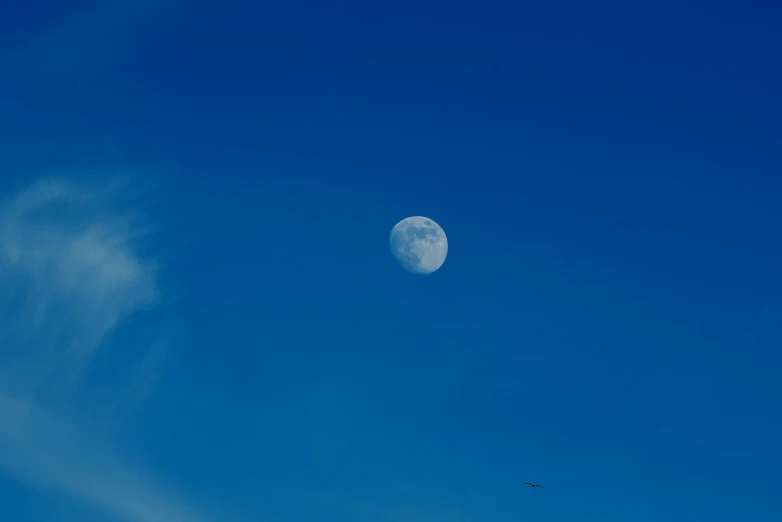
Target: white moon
x=419, y=244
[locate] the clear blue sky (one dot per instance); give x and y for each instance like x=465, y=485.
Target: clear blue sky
x=607, y=322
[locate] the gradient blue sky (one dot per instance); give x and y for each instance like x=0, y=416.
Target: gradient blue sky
x=201, y=320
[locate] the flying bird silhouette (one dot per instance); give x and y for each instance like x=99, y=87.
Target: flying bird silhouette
x=530, y=484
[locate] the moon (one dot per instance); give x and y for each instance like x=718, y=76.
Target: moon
x=419, y=244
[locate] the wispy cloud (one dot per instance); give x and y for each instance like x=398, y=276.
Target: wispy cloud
x=39, y=449
x=70, y=262
x=70, y=273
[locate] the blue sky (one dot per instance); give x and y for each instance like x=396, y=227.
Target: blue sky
x=201, y=319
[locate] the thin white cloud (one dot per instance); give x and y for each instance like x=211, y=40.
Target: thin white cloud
x=70, y=273
x=71, y=263
x=38, y=449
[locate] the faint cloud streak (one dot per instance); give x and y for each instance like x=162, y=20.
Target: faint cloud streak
x=71, y=264
x=70, y=273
